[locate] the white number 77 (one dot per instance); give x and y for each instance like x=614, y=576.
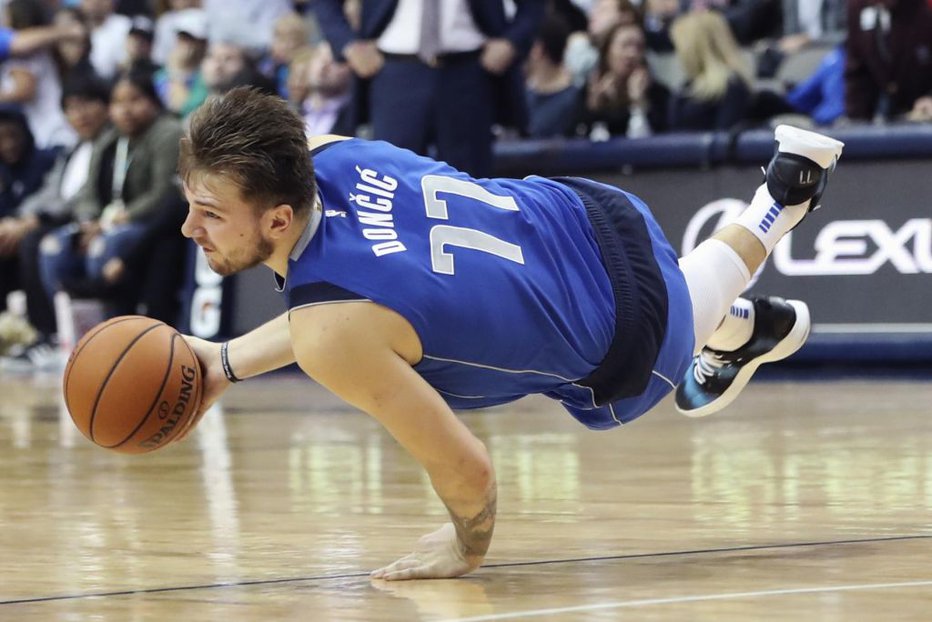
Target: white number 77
x=442, y=236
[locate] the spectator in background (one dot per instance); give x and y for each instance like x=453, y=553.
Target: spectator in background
x=809, y=21
x=291, y=35
x=130, y=200
x=72, y=56
x=622, y=99
x=658, y=17
x=108, y=36
x=169, y=13
x=319, y=89
x=131, y=7
x=553, y=101
x=888, y=74
x=717, y=94
x=582, y=51
x=139, y=46
x=751, y=21
x=574, y=15
x=822, y=95
x=446, y=83
x=32, y=82
x=22, y=168
x=229, y=64
x=180, y=83
x=84, y=100
x=31, y=40
x=250, y=23
x=804, y=23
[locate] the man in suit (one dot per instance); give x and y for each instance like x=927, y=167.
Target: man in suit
x=438, y=72
x=889, y=67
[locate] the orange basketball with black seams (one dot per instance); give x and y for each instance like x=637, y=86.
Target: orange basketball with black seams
x=133, y=384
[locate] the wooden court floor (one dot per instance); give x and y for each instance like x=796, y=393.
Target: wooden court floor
x=804, y=501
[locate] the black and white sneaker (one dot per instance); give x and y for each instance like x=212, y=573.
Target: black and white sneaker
x=801, y=165
x=715, y=378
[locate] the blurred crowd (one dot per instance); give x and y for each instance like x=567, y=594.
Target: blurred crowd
x=94, y=95
x=697, y=65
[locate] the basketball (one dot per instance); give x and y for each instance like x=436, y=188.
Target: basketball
x=132, y=384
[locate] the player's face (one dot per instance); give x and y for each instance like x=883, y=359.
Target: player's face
x=227, y=228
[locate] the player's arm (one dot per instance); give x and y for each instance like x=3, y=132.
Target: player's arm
x=364, y=353
x=263, y=349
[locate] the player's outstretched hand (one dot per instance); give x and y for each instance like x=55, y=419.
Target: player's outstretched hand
x=438, y=555
x=215, y=381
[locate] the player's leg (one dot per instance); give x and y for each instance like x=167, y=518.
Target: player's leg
x=741, y=334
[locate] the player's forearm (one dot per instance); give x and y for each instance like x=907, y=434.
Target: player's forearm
x=472, y=505
x=263, y=349
x=474, y=530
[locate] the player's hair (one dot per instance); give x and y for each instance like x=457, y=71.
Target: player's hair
x=257, y=142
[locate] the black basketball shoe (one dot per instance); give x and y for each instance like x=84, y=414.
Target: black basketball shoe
x=715, y=378
x=800, y=167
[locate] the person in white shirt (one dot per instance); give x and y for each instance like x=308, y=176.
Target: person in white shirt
x=108, y=36
x=32, y=81
x=168, y=25
x=249, y=22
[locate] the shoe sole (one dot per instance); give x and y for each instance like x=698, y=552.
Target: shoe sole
x=819, y=148
x=787, y=346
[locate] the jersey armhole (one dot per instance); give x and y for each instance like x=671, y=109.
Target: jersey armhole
x=320, y=293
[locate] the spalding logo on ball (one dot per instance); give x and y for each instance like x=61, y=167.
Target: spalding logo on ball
x=133, y=384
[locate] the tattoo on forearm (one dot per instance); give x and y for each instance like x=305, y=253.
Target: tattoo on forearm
x=475, y=532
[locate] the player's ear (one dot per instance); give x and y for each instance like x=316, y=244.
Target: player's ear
x=280, y=219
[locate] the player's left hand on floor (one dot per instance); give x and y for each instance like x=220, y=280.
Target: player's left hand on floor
x=438, y=555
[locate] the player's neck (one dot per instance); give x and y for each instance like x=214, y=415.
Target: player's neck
x=299, y=234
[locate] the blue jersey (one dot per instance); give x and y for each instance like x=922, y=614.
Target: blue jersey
x=502, y=280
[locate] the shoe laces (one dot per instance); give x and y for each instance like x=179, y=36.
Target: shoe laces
x=707, y=365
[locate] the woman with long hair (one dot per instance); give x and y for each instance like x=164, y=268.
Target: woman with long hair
x=73, y=56
x=717, y=93
x=622, y=97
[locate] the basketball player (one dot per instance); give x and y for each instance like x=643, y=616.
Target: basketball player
x=414, y=289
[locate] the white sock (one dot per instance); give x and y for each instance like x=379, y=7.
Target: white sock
x=768, y=220
x=736, y=329
x=716, y=275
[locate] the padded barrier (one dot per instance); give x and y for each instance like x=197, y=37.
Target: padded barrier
x=698, y=150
